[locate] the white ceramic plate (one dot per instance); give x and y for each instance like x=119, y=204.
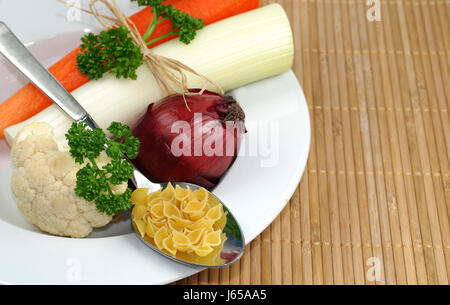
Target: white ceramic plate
x=256, y=188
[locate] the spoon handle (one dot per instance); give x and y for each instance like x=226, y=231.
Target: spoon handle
x=15, y=52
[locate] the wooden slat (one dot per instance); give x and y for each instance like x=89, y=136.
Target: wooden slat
x=376, y=188
x=397, y=200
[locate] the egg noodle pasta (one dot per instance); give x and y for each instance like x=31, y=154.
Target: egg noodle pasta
x=183, y=223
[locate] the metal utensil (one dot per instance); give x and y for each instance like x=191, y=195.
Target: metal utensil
x=25, y=62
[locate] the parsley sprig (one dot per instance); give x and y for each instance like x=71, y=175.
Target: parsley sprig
x=183, y=24
x=94, y=183
x=113, y=50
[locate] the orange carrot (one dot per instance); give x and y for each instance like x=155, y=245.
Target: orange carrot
x=29, y=100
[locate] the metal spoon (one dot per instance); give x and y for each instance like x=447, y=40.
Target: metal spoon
x=24, y=61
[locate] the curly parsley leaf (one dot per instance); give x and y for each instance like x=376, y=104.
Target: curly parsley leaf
x=114, y=204
x=183, y=24
x=125, y=142
x=120, y=171
x=85, y=143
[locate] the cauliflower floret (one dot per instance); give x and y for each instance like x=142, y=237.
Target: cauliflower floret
x=44, y=183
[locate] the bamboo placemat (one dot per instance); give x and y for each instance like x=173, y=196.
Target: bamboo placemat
x=373, y=205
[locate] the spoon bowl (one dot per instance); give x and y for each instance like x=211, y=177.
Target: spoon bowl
x=234, y=245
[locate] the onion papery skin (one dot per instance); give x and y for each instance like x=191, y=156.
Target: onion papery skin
x=194, y=163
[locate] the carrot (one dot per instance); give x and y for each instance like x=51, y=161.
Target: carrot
x=29, y=100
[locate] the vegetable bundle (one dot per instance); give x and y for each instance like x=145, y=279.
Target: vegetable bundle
x=29, y=100
x=233, y=52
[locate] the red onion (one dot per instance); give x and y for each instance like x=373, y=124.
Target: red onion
x=194, y=140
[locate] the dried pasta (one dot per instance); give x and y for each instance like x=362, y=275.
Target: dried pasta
x=180, y=222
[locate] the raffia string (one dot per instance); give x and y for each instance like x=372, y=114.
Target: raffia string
x=169, y=73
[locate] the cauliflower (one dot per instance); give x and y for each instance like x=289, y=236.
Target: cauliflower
x=44, y=183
